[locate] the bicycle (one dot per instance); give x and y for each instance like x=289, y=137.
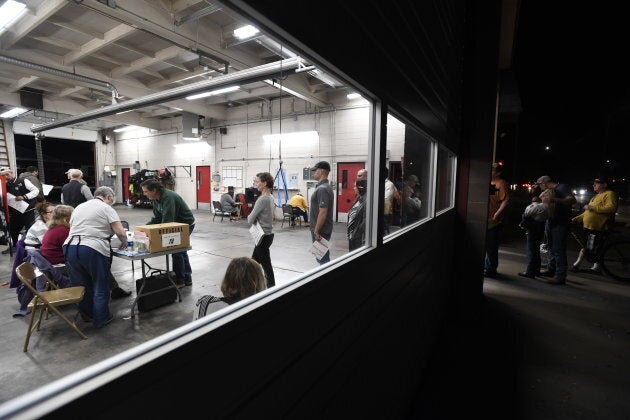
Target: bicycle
x=615, y=252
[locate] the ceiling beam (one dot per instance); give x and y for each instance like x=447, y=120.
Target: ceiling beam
x=90, y=47
x=31, y=21
x=165, y=54
x=72, y=26
x=24, y=81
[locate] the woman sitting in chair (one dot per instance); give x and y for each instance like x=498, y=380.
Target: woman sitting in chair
x=36, y=232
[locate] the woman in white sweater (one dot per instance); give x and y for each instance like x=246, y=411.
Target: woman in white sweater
x=36, y=232
x=262, y=213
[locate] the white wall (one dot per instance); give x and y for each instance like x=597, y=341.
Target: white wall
x=343, y=137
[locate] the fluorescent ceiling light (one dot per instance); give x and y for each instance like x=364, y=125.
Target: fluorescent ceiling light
x=10, y=12
x=126, y=128
x=213, y=92
x=353, y=95
x=245, y=32
x=283, y=88
x=12, y=112
x=192, y=145
x=302, y=136
x=191, y=138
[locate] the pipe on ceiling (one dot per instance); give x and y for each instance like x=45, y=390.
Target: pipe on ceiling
x=60, y=73
x=266, y=71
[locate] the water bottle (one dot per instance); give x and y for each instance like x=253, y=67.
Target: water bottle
x=130, y=241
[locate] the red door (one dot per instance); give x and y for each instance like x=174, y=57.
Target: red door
x=203, y=187
x=346, y=176
x=125, y=184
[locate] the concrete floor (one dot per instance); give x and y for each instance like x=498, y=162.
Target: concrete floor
x=537, y=351
x=56, y=350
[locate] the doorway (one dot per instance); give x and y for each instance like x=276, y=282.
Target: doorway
x=346, y=177
x=203, y=187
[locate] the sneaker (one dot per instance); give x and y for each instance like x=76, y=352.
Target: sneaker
x=595, y=269
x=118, y=293
x=110, y=319
x=525, y=274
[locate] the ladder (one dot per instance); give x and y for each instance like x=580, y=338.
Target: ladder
x=4, y=153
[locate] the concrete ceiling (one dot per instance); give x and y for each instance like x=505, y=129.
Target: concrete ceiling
x=139, y=47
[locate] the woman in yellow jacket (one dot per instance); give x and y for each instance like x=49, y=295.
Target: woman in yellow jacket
x=596, y=219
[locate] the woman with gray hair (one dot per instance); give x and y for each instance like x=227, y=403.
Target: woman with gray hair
x=87, y=252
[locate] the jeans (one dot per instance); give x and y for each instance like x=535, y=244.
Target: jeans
x=181, y=265
x=90, y=269
x=535, y=236
x=326, y=257
x=492, y=249
x=299, y=212
x=261, y=255
x=557, y=235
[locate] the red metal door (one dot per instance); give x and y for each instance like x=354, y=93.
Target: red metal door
x=346, y=176
x=203, y=187
x=125, y=184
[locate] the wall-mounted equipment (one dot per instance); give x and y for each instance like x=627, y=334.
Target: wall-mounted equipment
x=190, y=126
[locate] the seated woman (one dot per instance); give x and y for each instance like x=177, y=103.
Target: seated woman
x=243, y=277
x=52, y=245
x=35, y=234
x=58, y=229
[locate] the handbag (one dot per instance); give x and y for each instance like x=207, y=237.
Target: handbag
x=257, y=233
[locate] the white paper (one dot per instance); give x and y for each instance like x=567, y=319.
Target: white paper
x=47, y=188
x=256, y=232
x=320, y=248
x=20, y=206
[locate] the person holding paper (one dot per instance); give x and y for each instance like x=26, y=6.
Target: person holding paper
x=32, y=174
x=19, y=193
x=262, y=213
x=321, y=209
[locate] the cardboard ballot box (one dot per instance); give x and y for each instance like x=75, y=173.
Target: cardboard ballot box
x=166, y=236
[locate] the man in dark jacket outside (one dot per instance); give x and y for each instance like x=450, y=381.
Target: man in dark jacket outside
x=169, y=207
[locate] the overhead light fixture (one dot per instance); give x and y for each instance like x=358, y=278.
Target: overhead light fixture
x=12, y=112
x=213, y=92
x=192, y=145
x=246, y=31
x=353, y=95
x=283, y=88
x=126, y=128
x=10, y=12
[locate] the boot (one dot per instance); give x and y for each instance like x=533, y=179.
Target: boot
x=595, y=269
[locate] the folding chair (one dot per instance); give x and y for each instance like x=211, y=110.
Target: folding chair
x=287, y=213
x=218, y=211
x=47, y=300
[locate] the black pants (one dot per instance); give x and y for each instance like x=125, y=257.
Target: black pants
x=261, y=255
x=18, y=221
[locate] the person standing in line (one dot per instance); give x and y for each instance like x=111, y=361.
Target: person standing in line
x=557, y=229
x=597, y=219
x=533, y=221
x=356, y=217
x=22, y=190
x=262, y=213
x=497, y=203
x=243, y=277
x=32, y=174
x=76, y=190
x=321, y=209
x=169, y=207
x=391, y=194
x=299, y=205
x=88, y=254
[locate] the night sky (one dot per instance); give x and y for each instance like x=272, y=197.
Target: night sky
x=571, y=68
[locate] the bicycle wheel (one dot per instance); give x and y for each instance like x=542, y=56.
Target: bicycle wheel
x=616, y=260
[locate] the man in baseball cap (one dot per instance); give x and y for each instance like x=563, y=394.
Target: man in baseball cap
x=322, y=165
x=321, y=209
x=543, y=179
